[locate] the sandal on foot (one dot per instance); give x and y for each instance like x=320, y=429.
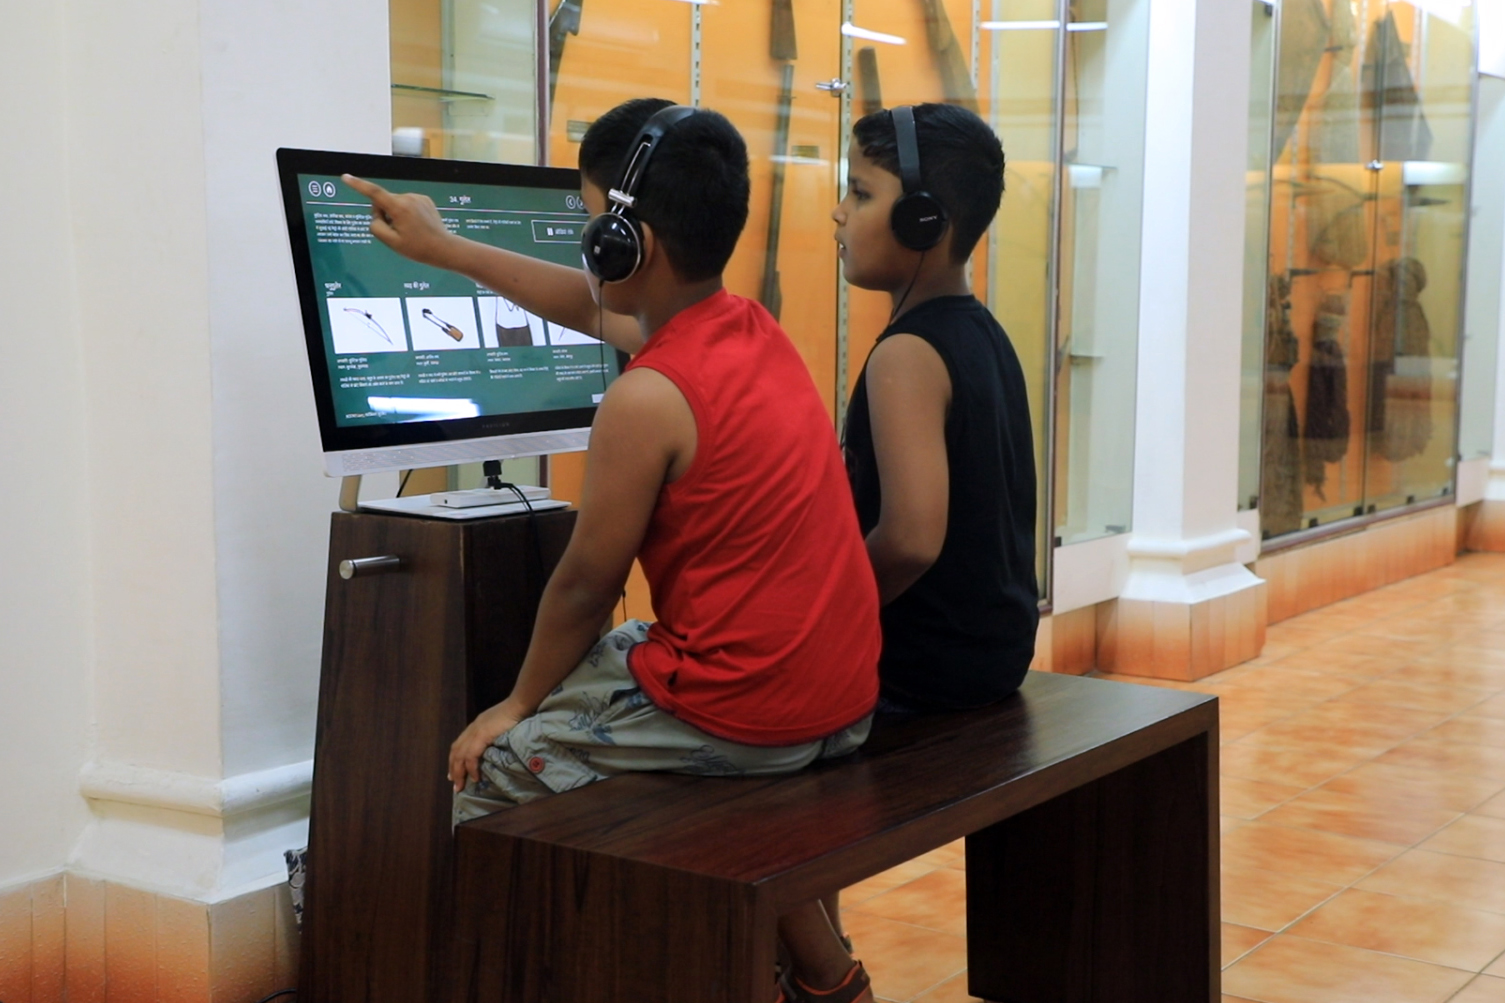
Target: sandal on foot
x=855, y=988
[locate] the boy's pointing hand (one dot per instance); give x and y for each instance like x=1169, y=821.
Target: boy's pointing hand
x=407, y=223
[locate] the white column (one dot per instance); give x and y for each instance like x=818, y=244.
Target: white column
x=1189, y=608
x=206, y=505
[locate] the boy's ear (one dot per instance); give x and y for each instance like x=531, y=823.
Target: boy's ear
x=650, y=246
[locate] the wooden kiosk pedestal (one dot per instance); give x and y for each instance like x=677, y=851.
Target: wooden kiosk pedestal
x=413, y=650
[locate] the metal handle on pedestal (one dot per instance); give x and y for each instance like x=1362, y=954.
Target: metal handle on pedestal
x=369, y=566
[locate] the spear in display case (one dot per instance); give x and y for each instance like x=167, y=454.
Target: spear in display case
x=783, y=48
x=564, y=22
x=869, y=90
x=956, y=79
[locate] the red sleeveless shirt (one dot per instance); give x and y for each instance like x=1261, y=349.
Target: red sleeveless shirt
x=767, y=608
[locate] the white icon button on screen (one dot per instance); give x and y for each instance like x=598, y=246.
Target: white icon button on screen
x=313, y=189
x=329, y=189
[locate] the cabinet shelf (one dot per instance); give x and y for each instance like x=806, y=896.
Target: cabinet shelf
x=441, y=93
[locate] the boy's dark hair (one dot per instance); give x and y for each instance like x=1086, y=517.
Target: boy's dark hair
x=961, y=162
x=694, y=195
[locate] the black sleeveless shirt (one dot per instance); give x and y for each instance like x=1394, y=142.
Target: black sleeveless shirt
x=964, y=633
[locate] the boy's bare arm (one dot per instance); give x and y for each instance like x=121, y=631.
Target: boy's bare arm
x=909, y=393
x=410, y=224
x=644, y=434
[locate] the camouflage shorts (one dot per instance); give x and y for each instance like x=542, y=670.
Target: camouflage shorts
x=598, y=723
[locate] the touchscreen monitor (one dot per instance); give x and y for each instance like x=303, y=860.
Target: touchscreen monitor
x=416, y=366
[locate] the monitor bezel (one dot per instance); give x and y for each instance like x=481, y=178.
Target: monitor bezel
x=334, y=438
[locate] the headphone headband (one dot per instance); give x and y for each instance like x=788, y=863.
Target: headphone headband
x=918, y=219
x=635, y=164
x=909, y=148
x=611, y=247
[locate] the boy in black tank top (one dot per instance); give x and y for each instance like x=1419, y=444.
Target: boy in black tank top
x=937, y=438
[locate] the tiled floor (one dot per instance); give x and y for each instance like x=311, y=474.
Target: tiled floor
x=1363, y=798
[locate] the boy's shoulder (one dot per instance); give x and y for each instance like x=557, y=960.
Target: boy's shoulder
x=952, y=324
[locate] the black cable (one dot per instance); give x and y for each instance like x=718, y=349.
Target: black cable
x=908, y=289
x=493, y=471
x=601, y=338
x=280, y=992
x=403, y=484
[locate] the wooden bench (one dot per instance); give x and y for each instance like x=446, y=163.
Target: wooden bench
x=1090, y=812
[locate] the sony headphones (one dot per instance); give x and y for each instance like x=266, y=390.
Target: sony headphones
x=918, y=218
x=612, y=245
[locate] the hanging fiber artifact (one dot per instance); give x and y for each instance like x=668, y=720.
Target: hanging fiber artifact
x=1327, y=419
x=1401, y=375
x=1280, y=449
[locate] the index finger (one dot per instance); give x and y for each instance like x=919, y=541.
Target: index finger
x=373, y=191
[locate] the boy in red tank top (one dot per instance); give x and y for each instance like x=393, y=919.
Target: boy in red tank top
x=712, y=461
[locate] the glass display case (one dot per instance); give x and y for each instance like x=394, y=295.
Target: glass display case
x=1256, y=249
x=1102, y=160
x=1061, y=81
x=464, y=79
x=1371, y=132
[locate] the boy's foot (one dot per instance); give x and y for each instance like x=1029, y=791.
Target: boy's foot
x=855, y=988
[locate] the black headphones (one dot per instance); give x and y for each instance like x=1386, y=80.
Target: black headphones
x=612, y=245
x=918, y=219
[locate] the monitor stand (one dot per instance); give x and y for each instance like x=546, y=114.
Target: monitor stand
x=423, y=507
x=350, y=493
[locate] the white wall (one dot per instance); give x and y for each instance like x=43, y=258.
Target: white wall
x=44, y=525
x=164, y=534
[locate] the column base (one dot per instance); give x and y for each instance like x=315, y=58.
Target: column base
x=71, y=937
x=1483, y=526
x=1184, y=638
x=1067, y=642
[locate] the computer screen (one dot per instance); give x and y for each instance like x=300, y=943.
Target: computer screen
x=416, y=366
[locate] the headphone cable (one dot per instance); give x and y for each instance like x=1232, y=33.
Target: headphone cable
x=601, y=336
x=908, y=289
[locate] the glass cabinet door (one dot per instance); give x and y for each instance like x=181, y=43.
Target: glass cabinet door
x=1102, y=150
x=464, y=79
x=768, y=67
x=964, y=52
x=1256, y=249
x=1366, y=259
x=1022, y=42
x=1420, y=71
x=896, y=54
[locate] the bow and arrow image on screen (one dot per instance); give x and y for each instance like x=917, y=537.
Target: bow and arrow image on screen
x=372, y=323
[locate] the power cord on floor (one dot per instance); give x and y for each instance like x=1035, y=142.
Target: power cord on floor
x=280, y=992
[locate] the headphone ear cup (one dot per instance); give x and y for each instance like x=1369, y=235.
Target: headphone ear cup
x=918, y=221
x=611, y=247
